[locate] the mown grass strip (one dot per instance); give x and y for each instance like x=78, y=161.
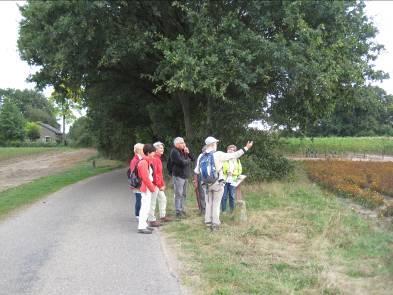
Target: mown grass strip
x=321, y=145
x=298, y=239
x=13, y=152
x=28, y=193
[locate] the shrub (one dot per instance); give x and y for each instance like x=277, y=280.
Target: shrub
x=264, y=161
x=32, y=131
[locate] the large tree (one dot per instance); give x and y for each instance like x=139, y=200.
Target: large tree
x=152, y=69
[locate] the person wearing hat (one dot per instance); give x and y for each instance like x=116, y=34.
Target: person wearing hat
x=214, y=191
x=158, y=194
x=231, y=170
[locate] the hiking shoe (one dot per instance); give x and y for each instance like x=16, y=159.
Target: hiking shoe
x=214, y=227
x=208, y=223
x=154, y=224
x=166, y=219
x=144, y=231
x=150, y=228
x=178, y=215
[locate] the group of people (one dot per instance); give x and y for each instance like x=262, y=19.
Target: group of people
x=212, y=196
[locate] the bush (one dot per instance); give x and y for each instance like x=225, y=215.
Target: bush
x=264, y=161
x=32, y=131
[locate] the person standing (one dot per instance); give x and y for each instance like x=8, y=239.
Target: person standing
x=145, y=172
x=159, y=193
x=179, y=167
x=138, y=155
x=214, y=191
x=231, y=170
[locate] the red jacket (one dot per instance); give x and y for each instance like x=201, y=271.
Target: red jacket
x=134, y=160
x=158, y=177
x=144, y=167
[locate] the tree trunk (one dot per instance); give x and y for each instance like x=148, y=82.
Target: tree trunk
x=64, y=119
x=185, y=105
x=209, y=115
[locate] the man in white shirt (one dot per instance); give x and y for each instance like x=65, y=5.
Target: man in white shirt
x=214, y=191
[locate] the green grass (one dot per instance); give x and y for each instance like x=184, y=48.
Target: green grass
x=331, y=145
x=17, y=197
x=297, y=238
x=12, y=152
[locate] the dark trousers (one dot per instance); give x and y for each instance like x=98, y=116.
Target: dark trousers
x=138, y=200
x=229, y=193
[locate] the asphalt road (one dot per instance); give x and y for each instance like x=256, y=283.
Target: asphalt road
x=82, y=240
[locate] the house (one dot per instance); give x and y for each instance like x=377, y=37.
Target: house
x=49, y=133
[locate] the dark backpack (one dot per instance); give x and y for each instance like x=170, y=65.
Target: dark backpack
x=207, y=168
x=134, y=180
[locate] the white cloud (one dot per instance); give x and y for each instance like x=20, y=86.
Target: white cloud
x=381, y=14
x=13, y=71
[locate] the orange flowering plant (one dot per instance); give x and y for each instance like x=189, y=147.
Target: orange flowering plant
x=366, y=182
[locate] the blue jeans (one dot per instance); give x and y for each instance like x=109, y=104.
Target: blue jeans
x=231, y=191
x=138, y=199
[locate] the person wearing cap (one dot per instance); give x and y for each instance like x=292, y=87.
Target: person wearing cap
x=138, y=155
x=214, y=192
x=145, y=172
x=231, y=170
x=159, y=194
x=179, y=166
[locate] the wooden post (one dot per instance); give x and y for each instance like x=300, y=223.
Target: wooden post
x=240, y=210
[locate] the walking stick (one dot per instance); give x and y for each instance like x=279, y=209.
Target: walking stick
x=197, y=193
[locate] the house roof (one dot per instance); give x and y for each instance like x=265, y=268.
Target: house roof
x=51, y=128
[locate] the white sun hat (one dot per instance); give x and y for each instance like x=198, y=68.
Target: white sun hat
x=210, y=140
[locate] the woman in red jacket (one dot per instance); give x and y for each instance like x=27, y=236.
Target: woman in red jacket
x=159, y=194
x=145, y=172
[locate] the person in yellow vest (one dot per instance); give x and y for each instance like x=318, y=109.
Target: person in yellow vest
x=231, y=170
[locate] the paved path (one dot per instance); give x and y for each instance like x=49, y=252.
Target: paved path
x=82, y=240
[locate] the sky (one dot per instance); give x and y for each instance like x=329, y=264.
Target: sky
x=14, y=71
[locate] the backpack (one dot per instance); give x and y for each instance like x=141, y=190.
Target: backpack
x=134, y=180
x=207, y=168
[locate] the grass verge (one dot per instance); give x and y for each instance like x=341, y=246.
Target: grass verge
x=298, y=240
x=13, y=152
x=28, y=193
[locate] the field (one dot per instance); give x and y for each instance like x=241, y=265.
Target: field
x=366, y=182
x=298, y=239
x=331, y=146
x=12, y=152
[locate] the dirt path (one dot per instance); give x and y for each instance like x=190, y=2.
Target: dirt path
x=17, y=171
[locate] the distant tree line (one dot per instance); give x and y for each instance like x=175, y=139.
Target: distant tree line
x=367, y=112
x=19, y=112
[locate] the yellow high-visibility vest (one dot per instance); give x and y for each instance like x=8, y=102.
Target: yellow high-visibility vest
x=236, y=172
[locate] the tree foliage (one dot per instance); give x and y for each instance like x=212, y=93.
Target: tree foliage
x=33, y=105
x=81, y=133
x=368, y=113
x=12, y=122
x=32, y=131
x=158, y=69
